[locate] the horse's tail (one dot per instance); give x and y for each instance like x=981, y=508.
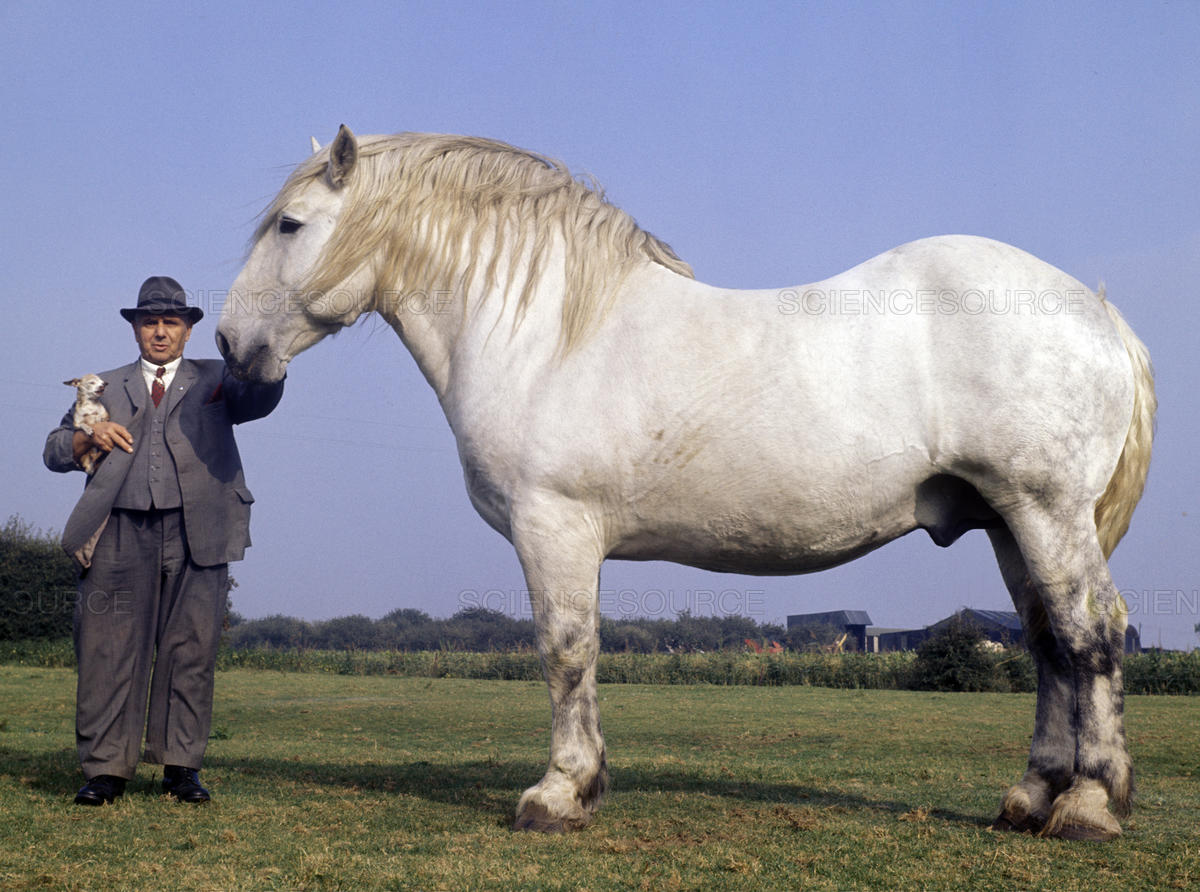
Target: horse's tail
x=1115, y=507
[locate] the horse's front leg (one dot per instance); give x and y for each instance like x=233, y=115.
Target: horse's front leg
x=562, y=568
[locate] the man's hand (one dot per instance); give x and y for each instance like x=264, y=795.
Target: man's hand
x=105, y=436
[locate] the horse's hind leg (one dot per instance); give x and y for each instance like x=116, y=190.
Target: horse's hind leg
x=562, y=571
x=1075, y=626
x=1026, y=806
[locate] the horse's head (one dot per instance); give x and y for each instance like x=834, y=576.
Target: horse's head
x=282, y=301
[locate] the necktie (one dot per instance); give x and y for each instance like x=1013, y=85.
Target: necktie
x=157, y=389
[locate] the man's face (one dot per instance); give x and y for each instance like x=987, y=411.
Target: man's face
x=161, y=338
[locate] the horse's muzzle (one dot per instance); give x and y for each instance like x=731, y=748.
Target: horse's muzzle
x=258, y=365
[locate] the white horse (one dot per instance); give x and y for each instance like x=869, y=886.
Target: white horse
x=606, y=405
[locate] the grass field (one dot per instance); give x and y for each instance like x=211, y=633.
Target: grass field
x=348, y=782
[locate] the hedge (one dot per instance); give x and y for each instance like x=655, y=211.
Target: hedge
x=1149, y=673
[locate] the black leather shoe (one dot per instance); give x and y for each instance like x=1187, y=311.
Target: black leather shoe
x=184, y=784
x=100, y=790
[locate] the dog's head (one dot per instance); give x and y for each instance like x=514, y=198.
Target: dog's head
x=89, y=386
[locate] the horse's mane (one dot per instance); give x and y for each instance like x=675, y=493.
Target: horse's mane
x=432, y=204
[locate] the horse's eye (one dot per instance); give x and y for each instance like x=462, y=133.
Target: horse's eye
x=288, y=225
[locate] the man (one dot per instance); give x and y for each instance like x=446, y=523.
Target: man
x=153, y=533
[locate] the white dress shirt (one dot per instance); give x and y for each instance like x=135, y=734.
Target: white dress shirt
x=150, y=372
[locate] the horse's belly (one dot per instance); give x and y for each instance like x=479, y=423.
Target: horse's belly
x=724, y=557
x=771, y=535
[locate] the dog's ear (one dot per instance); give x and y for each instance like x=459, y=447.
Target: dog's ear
x=74, y=382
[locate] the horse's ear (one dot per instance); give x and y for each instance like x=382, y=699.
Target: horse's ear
x=316, y=146
x=74, y=382
x=343, y=154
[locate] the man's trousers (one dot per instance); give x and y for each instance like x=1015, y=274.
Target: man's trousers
x=147, y=622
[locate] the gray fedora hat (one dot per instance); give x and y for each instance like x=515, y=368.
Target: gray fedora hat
x=163, y=296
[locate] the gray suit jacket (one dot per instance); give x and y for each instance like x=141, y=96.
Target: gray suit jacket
x=204, y=402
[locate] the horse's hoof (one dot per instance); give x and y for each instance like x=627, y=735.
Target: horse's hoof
x=1027, y=824
x=536, y=825
x=1025, y=807
x=1083, y=833
x=1081, y=813
x=536, y=818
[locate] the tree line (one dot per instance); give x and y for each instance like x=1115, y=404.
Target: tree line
x=479, y=629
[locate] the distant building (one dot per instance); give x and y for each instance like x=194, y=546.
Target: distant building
x=880, y=640
x=1001, y=626
x=853, y=622
x=1004, y=627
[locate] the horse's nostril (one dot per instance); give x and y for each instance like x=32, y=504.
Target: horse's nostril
x=223, y=346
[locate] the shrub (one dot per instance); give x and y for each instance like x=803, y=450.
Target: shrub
x=345, y=633
x=37, y=584
x=276, y=631
x=1162, y=672
x=626, y=637
x=1015, y=666
x=46, y=653
x=953, y=660
x=481, y=629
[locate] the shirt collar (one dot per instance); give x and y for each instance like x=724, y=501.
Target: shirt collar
x=151, y=369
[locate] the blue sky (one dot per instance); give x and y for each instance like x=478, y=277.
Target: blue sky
x=770, y=144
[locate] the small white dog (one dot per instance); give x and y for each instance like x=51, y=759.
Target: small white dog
x=89, y=411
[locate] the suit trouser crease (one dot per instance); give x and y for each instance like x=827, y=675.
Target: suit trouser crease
x=147, y=626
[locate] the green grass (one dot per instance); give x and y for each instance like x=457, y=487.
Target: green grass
x=323, y=781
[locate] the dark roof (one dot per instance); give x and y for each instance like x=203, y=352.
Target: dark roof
x=1004, y=619
x=830, y=618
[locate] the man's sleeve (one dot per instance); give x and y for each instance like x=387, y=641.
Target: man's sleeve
x=59, y=454
x=246, y=401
